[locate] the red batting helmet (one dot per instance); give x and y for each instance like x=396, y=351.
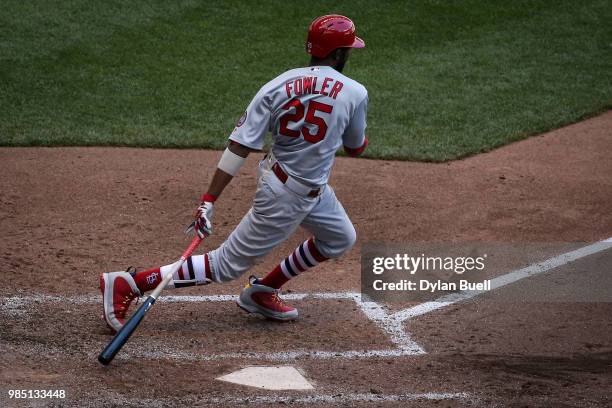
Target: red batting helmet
x=326, y=33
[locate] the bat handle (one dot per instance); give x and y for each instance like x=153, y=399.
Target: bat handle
x=192, y=247
x=175, y=267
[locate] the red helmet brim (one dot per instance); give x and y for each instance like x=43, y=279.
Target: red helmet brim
x=358, y=43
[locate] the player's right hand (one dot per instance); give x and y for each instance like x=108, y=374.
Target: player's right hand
x=202, y=225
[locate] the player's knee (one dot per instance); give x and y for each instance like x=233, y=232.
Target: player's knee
x=227, y=265
x=342, y=245
x=351, y=238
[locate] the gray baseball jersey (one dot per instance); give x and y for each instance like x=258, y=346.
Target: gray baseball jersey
x=311, y=112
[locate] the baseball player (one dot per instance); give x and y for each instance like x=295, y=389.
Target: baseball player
x=311, y=112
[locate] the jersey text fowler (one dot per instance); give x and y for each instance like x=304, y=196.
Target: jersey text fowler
x=308, y=85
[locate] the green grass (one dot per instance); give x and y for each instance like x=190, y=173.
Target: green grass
x=446, y=78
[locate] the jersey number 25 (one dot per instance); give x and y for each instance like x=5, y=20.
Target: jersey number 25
x=313, y=107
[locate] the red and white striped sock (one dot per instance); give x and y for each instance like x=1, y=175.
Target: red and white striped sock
x=304, y=257
x=195, y=271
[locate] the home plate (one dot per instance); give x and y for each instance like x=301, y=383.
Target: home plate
x=269, y=378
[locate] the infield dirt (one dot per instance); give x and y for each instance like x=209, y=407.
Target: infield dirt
x=68, y=214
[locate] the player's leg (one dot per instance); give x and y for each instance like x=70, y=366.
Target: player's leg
x=119, y=289
x=261, y=295
x=273, y=217
x=304, y=257
x=275, y=214
x=333, y=235
x=264, y=230
x=195, y=270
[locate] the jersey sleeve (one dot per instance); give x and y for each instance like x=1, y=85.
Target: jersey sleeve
x=354, y=135
x=354, y=138
x=252, y=127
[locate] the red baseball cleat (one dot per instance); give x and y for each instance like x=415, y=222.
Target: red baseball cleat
x=264, y=300
x=118, y=291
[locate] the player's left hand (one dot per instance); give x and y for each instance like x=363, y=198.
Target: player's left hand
x=202, y=225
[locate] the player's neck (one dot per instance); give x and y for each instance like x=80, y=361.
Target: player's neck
x=314, y=62
x=339, y=69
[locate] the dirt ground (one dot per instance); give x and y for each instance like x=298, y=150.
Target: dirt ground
x=68, y=214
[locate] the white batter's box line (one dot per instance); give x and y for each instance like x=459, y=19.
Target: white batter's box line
x=267, y=400
x=392, y=324
x=15, y=302
x=348, y=398
x=503, y=280
x=375, y=312
x=18, y=301
x=280, y=356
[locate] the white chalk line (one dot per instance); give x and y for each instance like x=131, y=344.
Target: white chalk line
x=372, y=310
x=391, y=323
x=280, y=356
x=301, y=399
x=116, y=399
x=345, y=398
x=503, y=280
x=18, y=301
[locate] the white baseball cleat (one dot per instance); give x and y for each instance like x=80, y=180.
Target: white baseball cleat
x=264, y=300
x=118, y=291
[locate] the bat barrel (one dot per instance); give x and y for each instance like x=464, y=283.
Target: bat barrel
x=122, y=336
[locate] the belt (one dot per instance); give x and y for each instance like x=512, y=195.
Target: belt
x=294, y=185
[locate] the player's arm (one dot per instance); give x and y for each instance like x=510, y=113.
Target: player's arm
x=354, y=139
x=357, y=151
x=230, y=163
x=247, y=136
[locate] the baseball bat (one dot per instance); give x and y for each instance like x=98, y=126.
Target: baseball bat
x=112, y=348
